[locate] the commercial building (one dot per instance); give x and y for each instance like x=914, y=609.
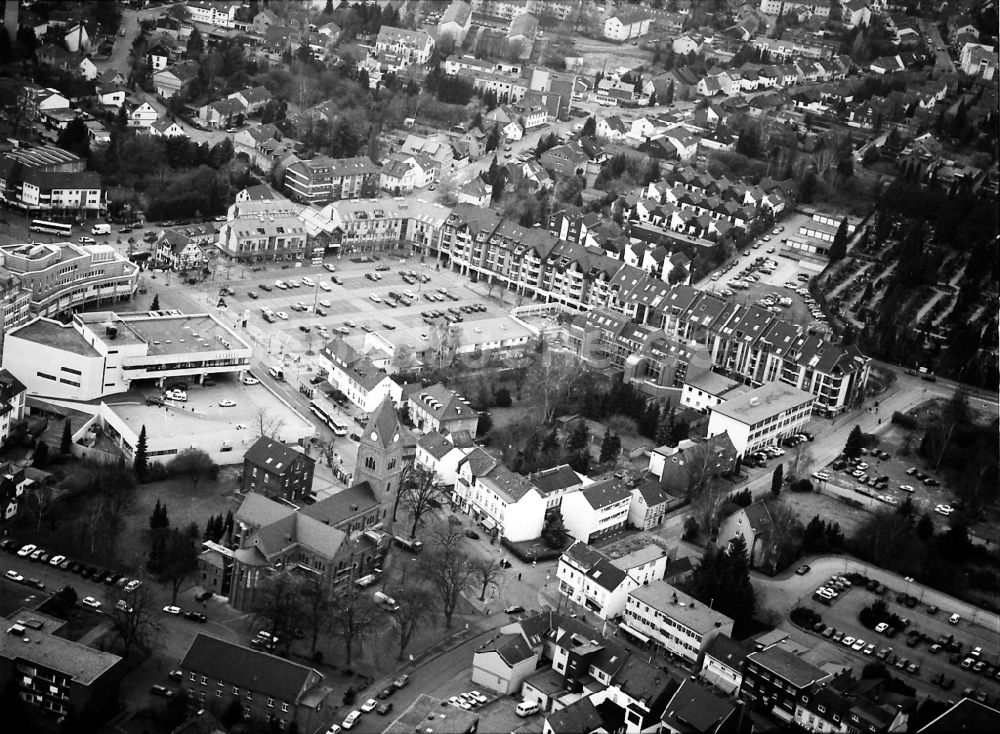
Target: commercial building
x=354, y=374
x=370, y=225
x=65, y=276
x=762, y=417
x=697, y=708
x=601, y=583
x=683, y=626
x=277, y=471
x=722, y=665
x=48, y=181
x=267, y=688
x=263, y=230
x=597, y=511
x=55, y=677
x=502, y=501
x=103, y=353
x=321, y=180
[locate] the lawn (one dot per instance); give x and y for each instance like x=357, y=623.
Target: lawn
x=15, y=596
x=79, y=620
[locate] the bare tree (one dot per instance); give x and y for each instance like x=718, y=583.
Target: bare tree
x=799, y=461
x=784, y=539
x=550, y=379
x=354, y=616
x=135, y=619
x=486, y=572
x=444, y=340
x=278, y=605
x=413, y=609
x=268, y=425
x=419, y=491
x=316, y=607
x=447, y=567
x=39, y=501
x=402, y=359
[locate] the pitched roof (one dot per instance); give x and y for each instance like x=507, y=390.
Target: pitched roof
x=607, y=492
x=257, y=510
x=384, y=423
x=512, y=648
x=273, y=456
x=800, y=673
x=338, y=507
x=435, y=444
x=727, y=651
x=580, y=717
x=249, y=669
x=696, y=708
x=555, y=479
x=758, y=517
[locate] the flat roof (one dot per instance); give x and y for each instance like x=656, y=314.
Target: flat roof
x=53, y=334
x=199, y=332
x=83, y=664
x=711, y=382
x=687, y=610
x=757, y=405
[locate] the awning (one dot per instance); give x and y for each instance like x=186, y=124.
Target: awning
x=629, y=630
x=488, y=522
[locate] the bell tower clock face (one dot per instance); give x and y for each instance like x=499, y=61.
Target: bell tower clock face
x=374, y=436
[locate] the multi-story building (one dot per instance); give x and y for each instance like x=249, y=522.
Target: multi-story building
x=753, y=523
x=103, y=353
x=15, y=304
x=696, y=702
x=56, y=678
x=775, y=680
x=218, y=14
x=601, y=583
x=503, y=663
x=406, y=46
x=848, y=704
x=455, y=22
x=507, y=9
x=648, y=507
x=666, y=616
x=762, y=416
x=369, y=225
x=12, y=392
x=355, y=375
x=65, y=276
x=597, y=511
x=722, y=665
x=501, y=501
x=442, y=454
x=436, y=408
x=555, y=483
x=265, y=687
x=277, y=471
x=321, y=180
x=270, y=229
x=627, y=24
x=50, y=181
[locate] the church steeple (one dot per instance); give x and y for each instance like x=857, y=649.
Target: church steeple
x=380, y=452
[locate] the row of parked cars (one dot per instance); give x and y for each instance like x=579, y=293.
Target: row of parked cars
x=32, y=552
x=371, y=705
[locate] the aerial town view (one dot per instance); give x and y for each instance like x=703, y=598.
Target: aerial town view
x=499, y=366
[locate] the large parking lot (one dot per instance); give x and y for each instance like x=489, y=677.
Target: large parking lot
x=925, y=627
x=349, y=306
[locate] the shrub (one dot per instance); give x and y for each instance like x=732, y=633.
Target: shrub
x=805, y=617
x=801, y=485
x=905, y=421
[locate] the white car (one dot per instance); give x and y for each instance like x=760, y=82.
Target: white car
x=308, y=281
x=848, y=641
x=14, y=576
x=944, y=509
x=325, y=286
x=330, y=267
x=888, y=500
x=456, y=701
x=375, y=298
x=88, y=241
x=324, y=303
x=351, y=719
x=859, y=645
x=857, y=473
x=27, y=550
x=281, y=285
x=822, y=476
x=369, y=705
x=250, y=380
x=227, y=404
x=480, y=698
x=293, y=283
x=906, y=488
x=56, y=560
x=133, y=585
x=178, y=395
x=89, y=601
x=881, y=627
x=282, y=315
x=171, y=609
x=862, y=465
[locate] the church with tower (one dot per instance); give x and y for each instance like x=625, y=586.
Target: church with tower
x=341, y=537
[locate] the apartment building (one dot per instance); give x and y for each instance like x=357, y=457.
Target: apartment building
x=762, y=416
x=54, y=677
x=442, y=454
x=723, y=663
x=277, y=471
x=507, y=9
x=15, y=304
x=406, y=47
x=12, y=392
x=64, y=276
x=218, y=14
x=648, y=507
x=265, y=230
x=370, y=225
x=627, y=24
x=322, y=179
x=597, y=511
x=267, y=688
x=775, y=680
x=501, y=501
x=556, y=483
x=600, y=582
x=49, y=181
x=666, y=616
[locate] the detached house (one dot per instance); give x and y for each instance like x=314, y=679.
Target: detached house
x=277, y=471
x=143, y=116
x=171, y=80
x=752, y=523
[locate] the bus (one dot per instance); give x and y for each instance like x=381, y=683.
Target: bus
x=325, y=411
x=57, y=228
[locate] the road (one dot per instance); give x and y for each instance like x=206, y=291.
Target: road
x=943, y=63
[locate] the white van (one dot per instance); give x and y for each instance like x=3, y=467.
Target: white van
x=317, y=261
x=385, y=600
x=527, y=708
x=101, y=229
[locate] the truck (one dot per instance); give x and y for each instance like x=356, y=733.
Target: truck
x=100, y=228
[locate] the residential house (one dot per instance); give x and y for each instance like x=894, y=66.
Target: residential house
x=355, y=375
x=854, y=13
x=500, y=500
x=436, y=408
x=681, y=625
x=601, y=582
x=775, y=680
x=521, y=34
x=682, y=467
x=111, y=95
x=167, y=129
x=476, y=192
x=12, y=393
x=179, y=251
x=171, y=80
x=265, y=687
x=402, y=173
x=847, y=702
x=611, y=128
x=697, y=708
x=722, y=665
x=648, y=506
x=221, y=113
x=501, y=664
x=455, y=22
x=597, y=511
x=158, y=57
x=441, y=455
x=753, y=523
x=277, y=471
x=252, y=99
x=555, y=483
x=627, y=24
x=978, y=59
x=77, y=39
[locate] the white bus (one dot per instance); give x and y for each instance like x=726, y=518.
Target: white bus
x=325, y=411
x=57, y=228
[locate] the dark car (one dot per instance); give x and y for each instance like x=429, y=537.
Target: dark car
x=253, y=294
x=65, y=565
x=196, y=616
x=176, y=674
x=265, y=287
x=158, y=690
x=112, y=579
x=385, y=693
x=514, y=609
x=382, y=269
x=472, y=534
x=802, y=570
x=304, y=328
x=9, y=544
x=384, y=708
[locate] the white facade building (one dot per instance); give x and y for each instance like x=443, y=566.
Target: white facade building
x=762, y=417
x=500, y=500
x=601, y=584
x=597, y=511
